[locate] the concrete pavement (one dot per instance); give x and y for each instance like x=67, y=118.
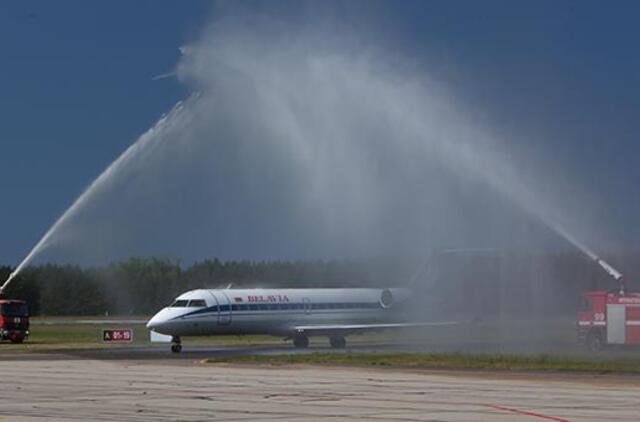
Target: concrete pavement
x=90, y=389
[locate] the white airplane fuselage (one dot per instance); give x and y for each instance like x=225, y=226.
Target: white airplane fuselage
x=286, y=312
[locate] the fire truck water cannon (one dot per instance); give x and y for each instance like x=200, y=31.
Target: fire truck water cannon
x=613, y=273
x=591, y=254
x=6, y=283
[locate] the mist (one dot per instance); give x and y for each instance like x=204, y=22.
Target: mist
x=312, y=141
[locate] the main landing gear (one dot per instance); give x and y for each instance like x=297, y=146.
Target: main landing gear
x=301, y=341
x=176, y=345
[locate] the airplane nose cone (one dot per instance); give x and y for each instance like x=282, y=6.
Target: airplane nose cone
x=154, y=322
x=161, y=321
x=151, y=324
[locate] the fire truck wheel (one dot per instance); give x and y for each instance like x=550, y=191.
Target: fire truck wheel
x=594, y=341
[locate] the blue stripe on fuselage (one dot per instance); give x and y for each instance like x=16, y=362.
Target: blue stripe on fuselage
x=261, y=307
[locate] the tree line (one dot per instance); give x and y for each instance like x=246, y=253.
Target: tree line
x=142, y=285
x=494, y=285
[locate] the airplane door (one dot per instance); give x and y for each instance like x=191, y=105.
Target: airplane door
x=224, y=307
x=306, y=304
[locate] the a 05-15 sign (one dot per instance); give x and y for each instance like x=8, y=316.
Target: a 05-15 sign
x=117, y=335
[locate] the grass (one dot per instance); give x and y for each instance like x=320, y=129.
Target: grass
x=59, y=334
x=65, y=333
x=72, y=336
x=445, y=361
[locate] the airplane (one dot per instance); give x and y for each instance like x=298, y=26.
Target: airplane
x=295, y=314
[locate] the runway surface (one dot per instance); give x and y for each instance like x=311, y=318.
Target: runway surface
x=109, y=385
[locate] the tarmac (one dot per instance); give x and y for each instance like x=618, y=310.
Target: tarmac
x=107, y=386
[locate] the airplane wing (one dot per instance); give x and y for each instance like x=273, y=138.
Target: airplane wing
x=353, y=328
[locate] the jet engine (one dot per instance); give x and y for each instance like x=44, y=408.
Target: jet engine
x=386, y=298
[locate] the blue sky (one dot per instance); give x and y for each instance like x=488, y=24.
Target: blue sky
x=77, y=89
x=76, y=86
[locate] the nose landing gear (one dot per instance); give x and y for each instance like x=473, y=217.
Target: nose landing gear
x=176, y=345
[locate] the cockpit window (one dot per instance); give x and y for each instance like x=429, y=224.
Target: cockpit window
x=199, y=303
x=179, y=304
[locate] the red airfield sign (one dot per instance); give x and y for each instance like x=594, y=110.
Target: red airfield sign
x=117, y=335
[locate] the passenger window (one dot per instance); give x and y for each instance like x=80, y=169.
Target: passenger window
x=179, y=304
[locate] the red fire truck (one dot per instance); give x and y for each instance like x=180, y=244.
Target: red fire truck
x=609, y=318
x=14, y=320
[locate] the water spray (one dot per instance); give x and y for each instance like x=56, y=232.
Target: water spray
x=6, y=283
x=617, y=275
x=131, y=152
x=208, y=65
